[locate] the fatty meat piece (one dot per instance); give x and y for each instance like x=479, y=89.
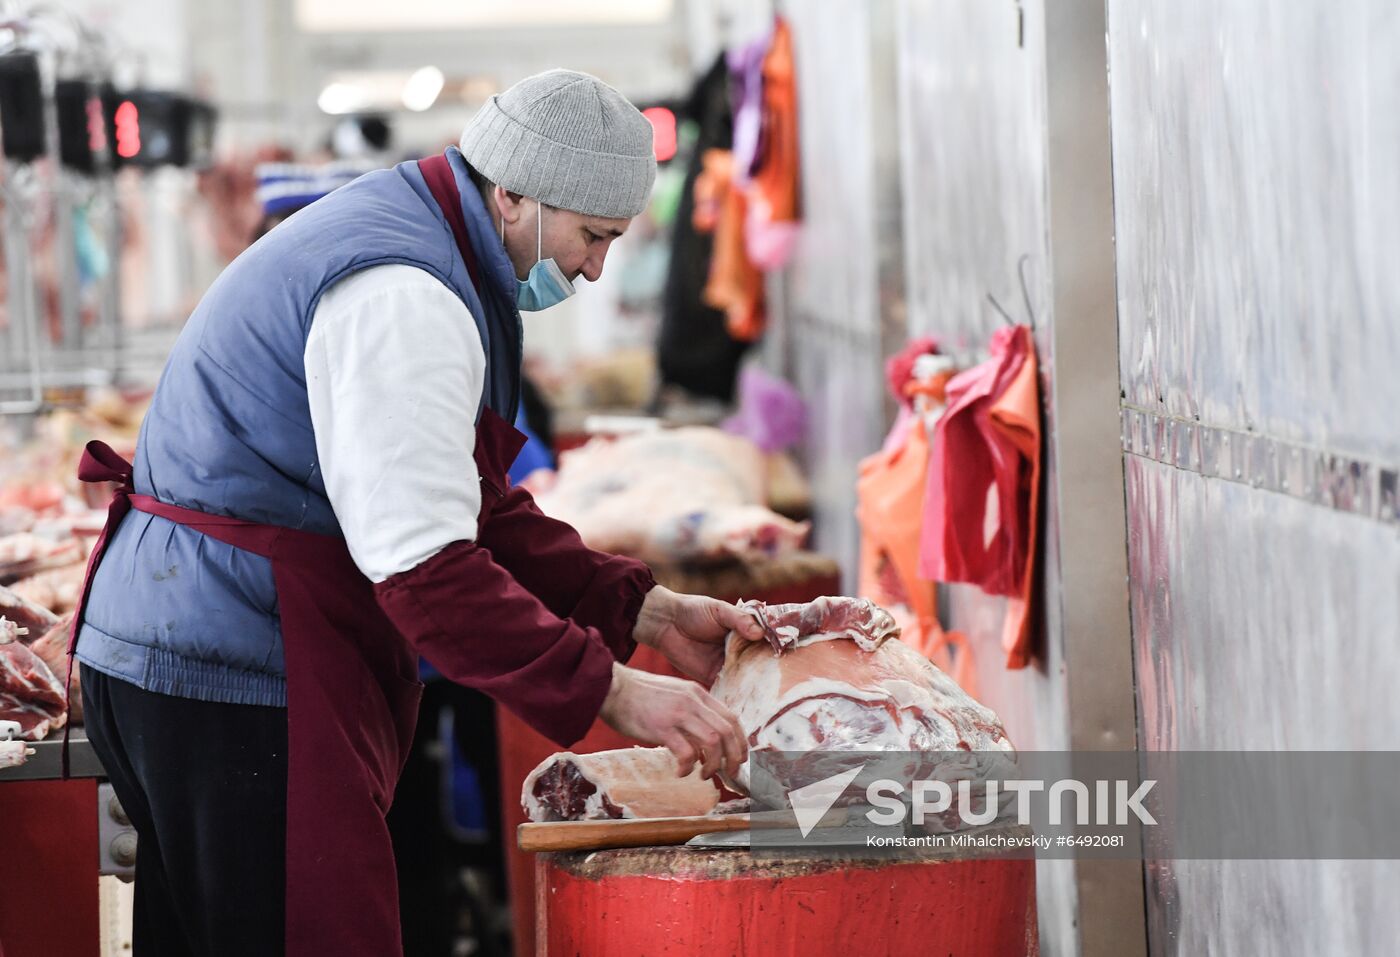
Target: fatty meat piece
x=57, y=590
x=625, y=783
x=810, y=692
x=52, y=649
x=26, y=614
x=856, y=619
x=676, y=495
x=25, y=554
x=13, y=753
x=29, y=692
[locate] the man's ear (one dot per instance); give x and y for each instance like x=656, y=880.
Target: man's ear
x=509, y=205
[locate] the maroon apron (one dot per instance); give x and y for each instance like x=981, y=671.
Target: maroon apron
x=352, y=703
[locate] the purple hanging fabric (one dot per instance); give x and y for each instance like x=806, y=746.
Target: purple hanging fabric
x=746, y=92
x=771, y=412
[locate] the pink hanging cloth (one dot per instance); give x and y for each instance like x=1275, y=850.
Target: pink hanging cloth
x=982, y=499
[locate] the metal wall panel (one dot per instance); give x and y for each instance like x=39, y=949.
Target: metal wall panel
x=1258, y=223
x=973, y=143
x=1255, y=156
x=831, y=290
x=1263, y=623
x=972, y=102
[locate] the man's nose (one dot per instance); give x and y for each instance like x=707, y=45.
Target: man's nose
x=593, y=266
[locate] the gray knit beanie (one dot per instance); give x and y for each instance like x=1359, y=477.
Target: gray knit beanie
x=568, y=140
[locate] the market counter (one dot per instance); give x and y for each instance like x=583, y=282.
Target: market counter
x=49, y=861
x=47, y=762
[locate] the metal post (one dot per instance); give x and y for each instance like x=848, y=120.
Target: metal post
x=889, y=201
x=23, y=366
x=1092, y=523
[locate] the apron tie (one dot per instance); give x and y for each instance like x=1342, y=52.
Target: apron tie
x=100, y=463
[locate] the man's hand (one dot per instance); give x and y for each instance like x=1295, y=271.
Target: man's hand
x=690, y=630
x=679, y=714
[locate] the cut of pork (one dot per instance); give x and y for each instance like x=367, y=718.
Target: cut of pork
x=26, y=614
x=26, y=554
x=677, y=495
x=801, y=623
x=830, y=680
x=57, y=590
x=29, y=692
x=13, y=753
x=52, y=648
x=628, y=782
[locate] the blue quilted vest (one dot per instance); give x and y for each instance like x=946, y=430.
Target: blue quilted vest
x=229, y=432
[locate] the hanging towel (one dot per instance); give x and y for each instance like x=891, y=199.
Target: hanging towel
x=981, y=500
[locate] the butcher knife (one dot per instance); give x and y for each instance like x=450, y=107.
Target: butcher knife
x=651, y=831
x=825, y=835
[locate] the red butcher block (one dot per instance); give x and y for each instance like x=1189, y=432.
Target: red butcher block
x=800, y=578
x=684, y=901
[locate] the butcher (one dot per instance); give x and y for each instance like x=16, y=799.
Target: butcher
x=319, y=497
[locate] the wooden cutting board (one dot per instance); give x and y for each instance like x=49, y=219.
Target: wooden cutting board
x=650, y=831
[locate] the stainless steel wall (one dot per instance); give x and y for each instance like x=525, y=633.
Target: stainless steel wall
x=828, y=302
x=1255, y=151
x=972, y=107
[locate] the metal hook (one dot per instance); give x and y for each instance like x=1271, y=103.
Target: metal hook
x=1025, y=289
x=1025, y=296
x=998, y=307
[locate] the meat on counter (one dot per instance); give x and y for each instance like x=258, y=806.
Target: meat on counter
x=29, y=692
x=52, y=649
x=833, y=677
x=628, y=782
x=25, y=553
x=26, y=614
x=57, y=589
x=13, y=753
x=671, y=496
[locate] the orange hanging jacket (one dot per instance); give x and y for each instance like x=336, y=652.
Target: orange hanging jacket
x=771, y=226
x=735, y=285
x=890, y=493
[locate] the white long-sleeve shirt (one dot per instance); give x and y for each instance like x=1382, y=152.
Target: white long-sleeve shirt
x=394, y=375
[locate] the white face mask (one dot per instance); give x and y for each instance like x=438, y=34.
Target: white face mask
x=546, y=285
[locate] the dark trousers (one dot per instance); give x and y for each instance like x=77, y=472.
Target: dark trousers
x=428, y=856
x=205, y=785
